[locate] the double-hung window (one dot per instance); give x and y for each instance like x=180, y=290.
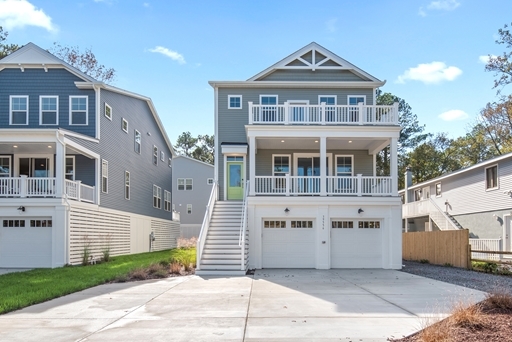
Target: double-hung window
x=344, y=172
x=5, y=166
x=138, y=141
x=353, y=110
x=491, y=177
x=124, y=125
x=234, y=101
x=281, y=167
x=268, y=108
x=162, y=156
x=78, y=110
x=330, y=109
x=48, y=110
x=104, y=176
x=157, y=197
x=185, y=183
x=18, y=109
x=127, y=185
x=167, y=200
x=155, y=155
x=170, y=162
x=108, y=112
x=70, y=168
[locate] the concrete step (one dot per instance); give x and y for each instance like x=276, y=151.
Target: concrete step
x=220, y=262
x=220, y=267
x=220, y=273
x=218, y=256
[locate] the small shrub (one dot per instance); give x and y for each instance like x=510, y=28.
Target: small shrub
x=187, y=243
x=164, y=263
x=424, y=261
x=499, y=300
x=86, y=250
x=470, y=317
x=105, y=250
x=121, y=278
x=490, y=267
x=164, y=273
x=138, y=274
x=175, y=267
x=435, y=331
x=154, y=268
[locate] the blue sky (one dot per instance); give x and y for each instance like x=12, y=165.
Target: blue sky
x=430, y=52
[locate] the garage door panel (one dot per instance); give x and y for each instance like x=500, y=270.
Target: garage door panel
x=356, y=248
x=25, y=247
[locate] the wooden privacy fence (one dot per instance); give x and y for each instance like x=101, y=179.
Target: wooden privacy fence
x=438, y=247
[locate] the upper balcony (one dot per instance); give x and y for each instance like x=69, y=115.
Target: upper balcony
x=322, y=114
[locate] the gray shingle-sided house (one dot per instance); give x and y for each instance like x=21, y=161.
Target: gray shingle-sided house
x=478, y=198
x=192, y=186
x=82, y=163
x=295, y=171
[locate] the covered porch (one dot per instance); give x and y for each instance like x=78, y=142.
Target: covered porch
x=46, y=164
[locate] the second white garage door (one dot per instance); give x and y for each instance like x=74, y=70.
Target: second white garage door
x=288, y=244
x=356, y=244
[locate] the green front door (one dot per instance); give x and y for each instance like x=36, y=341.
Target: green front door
x=235, y=180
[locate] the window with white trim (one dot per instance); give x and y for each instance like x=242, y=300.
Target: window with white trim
x=354, y=100
x=281, y=164
x=155, y=155
x=189, y=208
x=274, y=224
x=417, y=195
x=491, y=177
x=5, y=166
x=342, y=224
x=169, y=162
x=234, y=101
x=70, y=168
x=157, y=197
x=438, y=189
x=78, y=108
x=108, y=112
x=138, y=141
x=369, y=224
x=344, y=166
x=185, y=183
x=124, y=125
x=330, y=109
x=18, y=110
x=167, y=200
x=269, y=107
x=162, y=156
x=14, y=223
x=209, y=181
x=127, y=185
x=48, y=110
x=104, y=176
x=301, y=224
x=41, y=223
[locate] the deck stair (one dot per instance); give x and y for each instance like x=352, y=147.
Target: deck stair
x=222, y=253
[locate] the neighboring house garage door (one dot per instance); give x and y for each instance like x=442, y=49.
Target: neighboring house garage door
x=25, y=243
x=356, y=244
x=288, y=243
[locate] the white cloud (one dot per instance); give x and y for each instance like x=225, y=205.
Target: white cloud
x=146, y=4
x=444, y=5
x=454, y=115
x=485, y=59
x=331, y=25
x=169, y=53
x=430, y=73
x=21, y=13
x=422, y=12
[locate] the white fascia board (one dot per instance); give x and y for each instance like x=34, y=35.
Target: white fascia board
x=290, y=201
x=292, y=84
x=20, y=135
x=455, y=173
x=85, y=151
x=234, y=149
x=322, y=131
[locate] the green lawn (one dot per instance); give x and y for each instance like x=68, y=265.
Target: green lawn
x=19, y=290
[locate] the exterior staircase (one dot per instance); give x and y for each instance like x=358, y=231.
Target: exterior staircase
x=222, y=254
x=454, y=221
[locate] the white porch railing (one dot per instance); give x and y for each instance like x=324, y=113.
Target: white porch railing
x=243, y=227
x=206, y=224
x=428, y=207
x=322, y=114
x=45, y=187
x=311, y=185
x=486, y=245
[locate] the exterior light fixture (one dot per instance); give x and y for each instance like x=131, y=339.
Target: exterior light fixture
x=287, y=210
x=350, y=141
x=49, y=146
x=15, y=146
x=282, y=140
x=316, y=141
x=21, y=209
x=360, y=211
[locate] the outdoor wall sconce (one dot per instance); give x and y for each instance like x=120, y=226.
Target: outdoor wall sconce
x=287, y=210
x=360, y=211
x=21, y=209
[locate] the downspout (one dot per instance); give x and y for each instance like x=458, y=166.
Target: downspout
x=68, y=206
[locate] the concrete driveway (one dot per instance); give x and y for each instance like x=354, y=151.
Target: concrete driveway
x=280, y=305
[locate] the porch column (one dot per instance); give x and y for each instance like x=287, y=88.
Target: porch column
x=393, y=168
x=60, y=163
x=252, y=166
x=323, y=168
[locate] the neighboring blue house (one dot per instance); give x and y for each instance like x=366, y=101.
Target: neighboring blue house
x=82, y=163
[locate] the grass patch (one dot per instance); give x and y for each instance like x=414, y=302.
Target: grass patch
x=19, y=290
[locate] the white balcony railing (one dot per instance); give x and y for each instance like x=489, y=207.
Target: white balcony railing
x=322, y=114
x=311, y=185
x=45, y=187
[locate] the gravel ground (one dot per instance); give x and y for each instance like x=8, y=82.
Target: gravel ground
x=475, y=280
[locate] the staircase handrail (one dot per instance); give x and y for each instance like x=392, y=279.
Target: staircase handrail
x=447, y=219
x=243, y=227
x=206, y=224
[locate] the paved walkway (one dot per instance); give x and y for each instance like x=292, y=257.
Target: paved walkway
x=279, y=305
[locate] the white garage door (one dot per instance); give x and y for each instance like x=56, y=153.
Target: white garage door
x=25, y=243
x=356, y=244
x=288, y=244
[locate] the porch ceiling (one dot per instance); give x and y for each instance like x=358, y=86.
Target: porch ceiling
x=314, y=143
x=27, y=148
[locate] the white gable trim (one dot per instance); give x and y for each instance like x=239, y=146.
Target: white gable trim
x=313, y=48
